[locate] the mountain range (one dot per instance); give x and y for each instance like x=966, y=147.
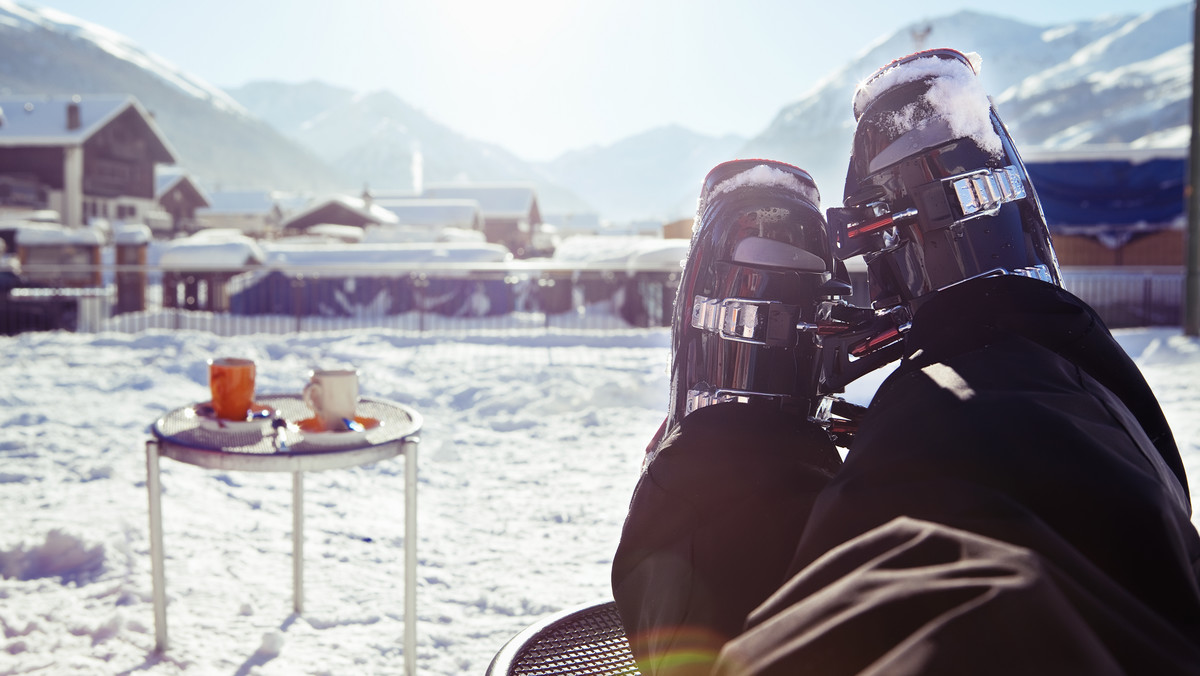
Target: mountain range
x=1113, y=80
x=43, y=52
x=1117, y=80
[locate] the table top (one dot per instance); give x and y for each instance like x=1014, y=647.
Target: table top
x=191, y=434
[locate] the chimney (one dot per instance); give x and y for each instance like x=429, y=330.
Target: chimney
x=73, y=121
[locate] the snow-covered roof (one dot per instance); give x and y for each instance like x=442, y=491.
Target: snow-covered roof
x=496, y=200
x=433, y=212
x=369, y=212
x=41, y=120
x=251, y=202
x=132, y=233
x=165, y=181
x=49, y=234
x=35, y=216
x=282, y=253
x=166, y=176
x=399, y=233
x=658, y=254
x=589, y=220
x=637, y=253
x=346, y=233
x=214, y=249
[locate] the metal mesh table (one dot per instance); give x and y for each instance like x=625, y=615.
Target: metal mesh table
x=588, y=639
x=188, y=435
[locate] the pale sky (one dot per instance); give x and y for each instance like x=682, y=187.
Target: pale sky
x=540, y=77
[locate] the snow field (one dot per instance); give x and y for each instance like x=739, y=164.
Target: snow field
x=527, y=459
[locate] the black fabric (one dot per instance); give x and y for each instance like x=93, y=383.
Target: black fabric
x=1013, y=503
x=712, y=526
x=985, y=311
x=914, y=597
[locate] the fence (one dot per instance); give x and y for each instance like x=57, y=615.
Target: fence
x=1152, y=296
x=455, y=298
x=452, y=299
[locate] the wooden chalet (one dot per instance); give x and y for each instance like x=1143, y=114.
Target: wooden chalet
x=340, y=210
x=510, y=212
x=678, y=229
x=433, y=214
x=180, y=196
x=86, y=157
x=570, y=223
x=253, y=212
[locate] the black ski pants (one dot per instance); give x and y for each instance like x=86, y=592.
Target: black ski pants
x=1013, y=503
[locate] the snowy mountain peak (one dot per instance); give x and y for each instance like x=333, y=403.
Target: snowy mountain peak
x=1115, y=80
x=24, y=17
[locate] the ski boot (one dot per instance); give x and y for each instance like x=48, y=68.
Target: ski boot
x=744, y=327
x=936, y=192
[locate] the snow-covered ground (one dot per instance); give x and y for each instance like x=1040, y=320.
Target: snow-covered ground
x=530, y=449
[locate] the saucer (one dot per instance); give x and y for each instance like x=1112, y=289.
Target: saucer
x=312, y=432
x=258, y=417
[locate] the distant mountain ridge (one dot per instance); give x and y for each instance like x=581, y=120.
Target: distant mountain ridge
x=48, y=52
x=1120, y=79
x=1114, y=80
x=372, y=138
x=652, y=175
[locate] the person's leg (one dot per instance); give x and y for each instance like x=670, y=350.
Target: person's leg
x=1013, y=501
x=914, y=597
x=711, y=529
x=724, y=496
x=1000, y=506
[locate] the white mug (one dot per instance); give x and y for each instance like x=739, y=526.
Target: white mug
x=333, y=396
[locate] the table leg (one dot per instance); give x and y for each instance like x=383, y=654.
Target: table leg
x=410, y=559
x=298, y=542
x=157, y=576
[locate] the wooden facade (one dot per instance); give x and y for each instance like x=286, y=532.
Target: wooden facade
x=180, y=197
x=511, y=215
x=254, y=212
x=1163, y=247
x=679, y=229
x=93, y=157
x=341, y=210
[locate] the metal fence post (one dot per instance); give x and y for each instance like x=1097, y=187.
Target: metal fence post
x=297, y=299
x=1191, y=289
x=420, y=282
x=1147, y=297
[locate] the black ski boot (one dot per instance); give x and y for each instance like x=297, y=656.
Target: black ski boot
x=745, y=320
x=936, y=192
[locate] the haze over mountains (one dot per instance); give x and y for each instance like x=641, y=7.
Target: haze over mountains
x=1112, y=80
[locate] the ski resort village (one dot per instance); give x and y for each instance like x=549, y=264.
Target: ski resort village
x=508, y=323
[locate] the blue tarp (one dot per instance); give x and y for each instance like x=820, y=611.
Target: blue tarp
x=273, y=292
x=1111, y=199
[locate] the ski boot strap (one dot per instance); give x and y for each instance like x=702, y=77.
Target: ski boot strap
x=759, y=322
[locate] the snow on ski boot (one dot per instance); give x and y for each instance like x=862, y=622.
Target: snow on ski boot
x=760, y=265
x=935, y=193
